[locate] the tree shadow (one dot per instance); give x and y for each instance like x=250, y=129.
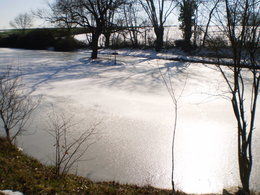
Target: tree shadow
x=129, y=73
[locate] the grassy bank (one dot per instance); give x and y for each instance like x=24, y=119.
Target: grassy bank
x=19, y=172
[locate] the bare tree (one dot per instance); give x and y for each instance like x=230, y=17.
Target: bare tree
x=22, y=21
x=69, y=147
x=131, y=21
x=211, y=12
x=89, y=14
x=110, y=27
x=158, y=11
x=58, y=13
x=16, y=106
x=242, y=30
x=167, y=80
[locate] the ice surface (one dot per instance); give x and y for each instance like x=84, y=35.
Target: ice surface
x=136, y=111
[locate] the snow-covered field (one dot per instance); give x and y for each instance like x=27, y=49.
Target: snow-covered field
x=136, y=114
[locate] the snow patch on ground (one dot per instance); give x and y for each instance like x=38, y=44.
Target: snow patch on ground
x=10, y=192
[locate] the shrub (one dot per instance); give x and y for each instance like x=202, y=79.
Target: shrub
x=9, y=41
x=184, y=45
x=68, y=44
x=37, y=39
x=216, y=42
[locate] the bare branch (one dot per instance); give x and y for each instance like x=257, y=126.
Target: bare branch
x=69, y=147
x=16, y=106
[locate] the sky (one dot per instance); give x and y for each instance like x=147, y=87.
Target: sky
x=9, y=9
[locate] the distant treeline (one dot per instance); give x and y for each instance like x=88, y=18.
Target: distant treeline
x=50, y=38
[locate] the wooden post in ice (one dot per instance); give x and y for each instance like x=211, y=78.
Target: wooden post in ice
x=115, y=54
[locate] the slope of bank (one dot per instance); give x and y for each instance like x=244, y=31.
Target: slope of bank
x=19, y=172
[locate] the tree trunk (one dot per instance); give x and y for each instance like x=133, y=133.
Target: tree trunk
x=94, y=43
x=159, y=31
x=8, y=135
x=244, y=160
x=188, y=33
x=133, y=37
x=245, y=171
x=107, y=39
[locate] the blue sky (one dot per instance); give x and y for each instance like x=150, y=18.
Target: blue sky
x=9, y=9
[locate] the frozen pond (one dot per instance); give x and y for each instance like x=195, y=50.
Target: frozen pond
x=136, y=114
